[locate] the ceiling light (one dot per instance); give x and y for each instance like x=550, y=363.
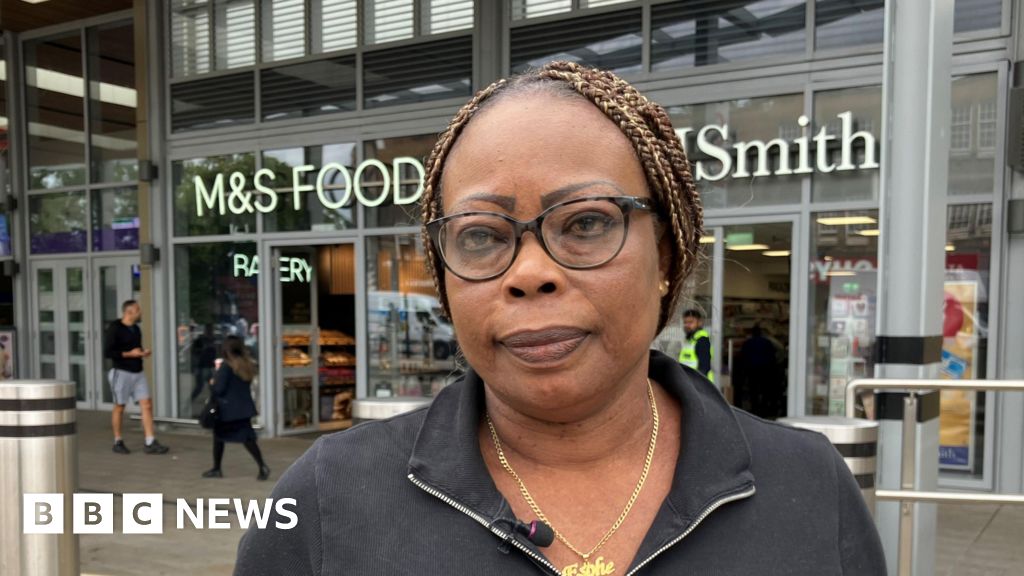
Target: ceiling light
x=747, y=247
x=846, y=220
x=842, y=273
x=775, y=253
x=872, y=232
x=34, y=1
x=950, y=247
x=707, y=239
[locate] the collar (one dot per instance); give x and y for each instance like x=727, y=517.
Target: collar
x=714, y=458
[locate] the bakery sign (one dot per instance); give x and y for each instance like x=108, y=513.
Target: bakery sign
x=335, y=187
x=753, y=158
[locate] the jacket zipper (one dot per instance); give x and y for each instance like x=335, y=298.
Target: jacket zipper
x=707, y=512
x=483, y=521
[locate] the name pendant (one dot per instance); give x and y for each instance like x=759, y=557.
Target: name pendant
x=596, y=568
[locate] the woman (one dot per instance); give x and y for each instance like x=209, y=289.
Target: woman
x=561, y=221
x=235, y=408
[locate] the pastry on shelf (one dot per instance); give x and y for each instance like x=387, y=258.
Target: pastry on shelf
x=295, y=357
x=336, y=338
x=293, y=338
x=332, y=358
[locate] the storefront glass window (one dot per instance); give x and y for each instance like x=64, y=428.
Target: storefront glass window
x=389, y=213
x=845, y=24
x=707, y=32
x=313, y=213
x=749, y=119
x=412, y=347
x=308, y=89
x=611, y=41
x=431, y=71
x=965, y=335
x=535, y=8
x=337, y=19
x=283, y=29
x=854, y=139
x=216, y=295
x=55, y=112
x=5, y=167
x=115, y=219
x=841, y=306
x=112, y=103
x=6, y=303
x=973, y=135
x=57, y=223
x=233, y=38
x=214, y=209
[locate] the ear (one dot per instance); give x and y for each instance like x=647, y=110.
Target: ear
x=664, y=240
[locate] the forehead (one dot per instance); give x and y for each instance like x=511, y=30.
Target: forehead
x=527, y=145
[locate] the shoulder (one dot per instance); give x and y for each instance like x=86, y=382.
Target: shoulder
x=777, y=441
x=373, y=443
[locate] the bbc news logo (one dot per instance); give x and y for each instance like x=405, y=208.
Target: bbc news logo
x=144, y=513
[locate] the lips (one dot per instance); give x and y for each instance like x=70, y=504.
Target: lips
x=544, y=346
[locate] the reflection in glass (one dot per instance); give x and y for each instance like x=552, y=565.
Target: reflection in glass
x=709, y=32
x=283, y=29
x=54, y=91
x=110, y=312
x=748, y=119
x=434, y=71
x=865, y=104
x=611, y=41
x=234, y=35
x=973, y=135
x=977, y=15
x=965, y=336
x=115, y=219
x=388, y=213
x=844, y=24
x=841, y=306
x=312, y=214
x=216, y=296
x=57, y=223
x=194, y=215
x=47, y=305
x=411, y=346
x=309, y=89
x=112, y=103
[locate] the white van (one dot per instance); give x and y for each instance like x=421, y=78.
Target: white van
x=410, y=322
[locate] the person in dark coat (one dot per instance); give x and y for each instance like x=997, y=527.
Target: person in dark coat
x=235, y=408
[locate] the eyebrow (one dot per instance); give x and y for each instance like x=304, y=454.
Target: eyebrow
x=508, y=203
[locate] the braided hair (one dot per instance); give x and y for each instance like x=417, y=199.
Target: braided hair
x=644, y=123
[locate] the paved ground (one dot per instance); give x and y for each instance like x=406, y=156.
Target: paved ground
x=972, y=541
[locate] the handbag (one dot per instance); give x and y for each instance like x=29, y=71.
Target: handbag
x=208, y=416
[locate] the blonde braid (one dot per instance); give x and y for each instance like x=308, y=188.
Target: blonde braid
x=644, y=123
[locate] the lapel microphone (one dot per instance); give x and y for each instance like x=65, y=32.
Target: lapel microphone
x=536, y=531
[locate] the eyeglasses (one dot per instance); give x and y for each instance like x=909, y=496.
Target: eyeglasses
x=578, y=234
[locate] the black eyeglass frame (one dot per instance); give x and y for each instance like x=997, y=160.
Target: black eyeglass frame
x=625, y=203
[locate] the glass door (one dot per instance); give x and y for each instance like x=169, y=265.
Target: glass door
x=60, y=325
x=741, y=293
x=117, y=280
x=296, y=333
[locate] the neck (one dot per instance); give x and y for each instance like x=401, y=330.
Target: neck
x=619, y=427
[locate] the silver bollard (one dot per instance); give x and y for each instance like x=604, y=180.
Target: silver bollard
x=38, y=454
x=855, y=439
x=366, y=409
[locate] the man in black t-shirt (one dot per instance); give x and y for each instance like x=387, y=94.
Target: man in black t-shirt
x=127, y=380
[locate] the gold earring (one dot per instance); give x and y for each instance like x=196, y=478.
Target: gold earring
x=663, y=288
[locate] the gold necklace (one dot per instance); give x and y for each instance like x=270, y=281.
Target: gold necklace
x=598, y=567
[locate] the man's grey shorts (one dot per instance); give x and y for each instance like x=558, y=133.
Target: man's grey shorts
x=127, y=386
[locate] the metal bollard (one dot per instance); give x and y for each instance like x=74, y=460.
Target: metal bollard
x=366, y=409
x=855, y=439
x=38, y=454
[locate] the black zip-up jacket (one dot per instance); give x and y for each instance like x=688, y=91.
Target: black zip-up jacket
x=411, y=495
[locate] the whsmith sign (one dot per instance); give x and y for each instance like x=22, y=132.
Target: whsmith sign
x=744, y=159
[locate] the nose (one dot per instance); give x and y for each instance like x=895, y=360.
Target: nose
x=533, y=272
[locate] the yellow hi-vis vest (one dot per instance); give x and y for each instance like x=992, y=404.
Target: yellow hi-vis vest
x=688, y=355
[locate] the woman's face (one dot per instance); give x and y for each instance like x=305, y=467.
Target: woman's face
x=553, y=342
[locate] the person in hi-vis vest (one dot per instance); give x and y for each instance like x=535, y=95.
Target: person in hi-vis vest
x=696, y=352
